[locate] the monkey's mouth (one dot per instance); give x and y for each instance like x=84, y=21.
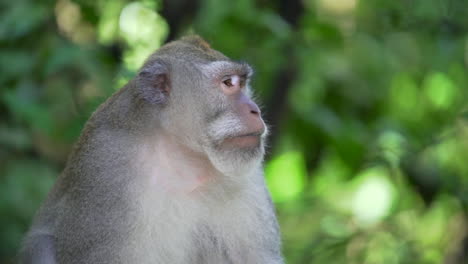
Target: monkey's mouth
x=247, y=140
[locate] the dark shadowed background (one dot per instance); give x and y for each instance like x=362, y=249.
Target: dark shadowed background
x=367, y=102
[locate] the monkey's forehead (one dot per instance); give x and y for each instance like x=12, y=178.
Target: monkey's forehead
x=194, y=51
x=222, y=67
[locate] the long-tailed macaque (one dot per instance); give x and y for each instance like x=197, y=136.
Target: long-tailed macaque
x=168, y=170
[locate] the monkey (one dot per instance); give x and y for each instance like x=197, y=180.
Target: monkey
x=166, y=170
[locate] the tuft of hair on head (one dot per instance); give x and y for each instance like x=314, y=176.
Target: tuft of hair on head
x=196, y=41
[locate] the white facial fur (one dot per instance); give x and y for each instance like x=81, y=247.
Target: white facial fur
x=231, y=161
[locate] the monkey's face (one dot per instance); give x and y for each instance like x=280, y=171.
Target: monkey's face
x=218, y=113
x=233, y=119
x=207, y=103
x=235, y=130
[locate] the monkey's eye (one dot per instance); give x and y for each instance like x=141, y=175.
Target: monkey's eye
x=232, y=81
x=228, y=82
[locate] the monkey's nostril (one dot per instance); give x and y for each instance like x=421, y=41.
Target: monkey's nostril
x=255, y=112
x=254, y=108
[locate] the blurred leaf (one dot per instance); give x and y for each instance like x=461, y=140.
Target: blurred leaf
x=440, y=90
x=24, y=185
x=286, y=188
x=15, y=64
x=20, y=18
x=14, y=138
x=25, y=108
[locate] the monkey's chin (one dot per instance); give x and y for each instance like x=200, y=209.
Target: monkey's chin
x=237, y=156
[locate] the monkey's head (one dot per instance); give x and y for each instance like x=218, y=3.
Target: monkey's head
x=203, y=98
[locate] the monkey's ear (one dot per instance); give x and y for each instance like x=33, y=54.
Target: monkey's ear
x=153, y=82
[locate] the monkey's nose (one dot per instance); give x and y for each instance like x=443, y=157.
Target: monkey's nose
x=248, y=106
x=253, y=108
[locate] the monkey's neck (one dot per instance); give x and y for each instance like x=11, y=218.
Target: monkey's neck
x=175, y=168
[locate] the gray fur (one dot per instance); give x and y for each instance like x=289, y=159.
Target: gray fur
x=149, y=181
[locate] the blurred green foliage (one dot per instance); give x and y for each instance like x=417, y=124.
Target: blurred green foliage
x=367, y=102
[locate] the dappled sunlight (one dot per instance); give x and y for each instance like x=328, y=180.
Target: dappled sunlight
x=373, y=197
x=70, y=22
x=337, y=6
x=144, y=31
x=340, y=11
x=68, y=15
x=108, y=26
